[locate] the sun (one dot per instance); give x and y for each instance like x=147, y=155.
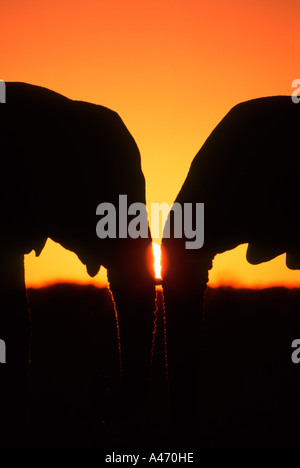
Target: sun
x=157, y=259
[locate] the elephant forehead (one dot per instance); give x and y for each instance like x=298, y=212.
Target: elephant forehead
x=254, y=146
x=82, y=142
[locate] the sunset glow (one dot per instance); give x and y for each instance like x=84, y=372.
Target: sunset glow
x=157, y=259
x=172, y=70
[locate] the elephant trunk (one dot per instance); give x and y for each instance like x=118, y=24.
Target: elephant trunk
x=134, y=299
x=132, y=284
x=133, y=290
x=185, y=277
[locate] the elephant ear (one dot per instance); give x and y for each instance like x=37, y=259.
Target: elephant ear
x=39, y=244
x=261, y=251
x=293, y=259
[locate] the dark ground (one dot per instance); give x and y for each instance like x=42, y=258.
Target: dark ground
x=250, y=393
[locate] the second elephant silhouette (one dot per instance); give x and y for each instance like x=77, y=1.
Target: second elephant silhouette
x=247, y=175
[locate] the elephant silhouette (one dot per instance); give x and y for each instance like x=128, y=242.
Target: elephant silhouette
x=60, y=159
x=247, y=175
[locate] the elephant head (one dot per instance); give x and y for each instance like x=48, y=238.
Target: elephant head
x=60, y=159
x=247, y=175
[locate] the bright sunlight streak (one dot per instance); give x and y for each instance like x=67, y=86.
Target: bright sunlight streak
x=157, y=259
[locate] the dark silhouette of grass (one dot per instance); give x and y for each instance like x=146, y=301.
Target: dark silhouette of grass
x=250, y=388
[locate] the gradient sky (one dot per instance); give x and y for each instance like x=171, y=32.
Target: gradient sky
x=172, y=69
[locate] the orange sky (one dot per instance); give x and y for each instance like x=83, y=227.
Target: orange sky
x=172, y=69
